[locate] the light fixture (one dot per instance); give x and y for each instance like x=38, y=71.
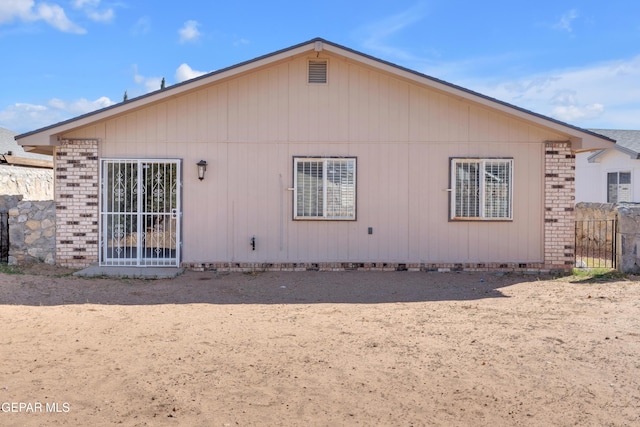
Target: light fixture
x=202, y=168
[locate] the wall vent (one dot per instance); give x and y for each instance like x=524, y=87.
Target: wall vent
x=318, y=72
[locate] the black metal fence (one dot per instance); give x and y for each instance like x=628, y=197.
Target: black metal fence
x=596, y=243
x=4, y=237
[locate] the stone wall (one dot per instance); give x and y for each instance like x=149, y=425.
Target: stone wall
x=32, y=232
x=31, y=183
x=9, y=202
x=628, y=257
x=595, y=211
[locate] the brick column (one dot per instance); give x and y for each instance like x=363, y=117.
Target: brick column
x=76, y=196
x=559, y=202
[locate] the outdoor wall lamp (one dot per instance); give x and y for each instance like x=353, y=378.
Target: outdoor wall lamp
x=202, y=168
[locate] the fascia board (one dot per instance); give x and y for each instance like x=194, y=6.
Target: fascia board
x=49, y=135
x=594, y=158
x=581, y=140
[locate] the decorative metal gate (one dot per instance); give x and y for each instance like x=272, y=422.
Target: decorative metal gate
x=140, y=212
x=596, y=243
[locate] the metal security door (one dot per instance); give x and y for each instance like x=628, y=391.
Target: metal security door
x=140, y=212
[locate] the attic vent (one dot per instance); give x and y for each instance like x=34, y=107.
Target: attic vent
x=318, y=72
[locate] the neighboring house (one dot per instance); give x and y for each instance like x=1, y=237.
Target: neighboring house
x=22, y=173
x=317, y=156
x=611, y=175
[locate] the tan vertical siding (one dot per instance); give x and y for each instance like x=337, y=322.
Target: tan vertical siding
x=250, y=127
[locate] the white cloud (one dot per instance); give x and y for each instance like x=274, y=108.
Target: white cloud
x=22, y=117
x=54, y=15
x=621, y=118
x=28, y=11
x=79, y=4
x=150, y=84
x=587, y=96
x=566, y=20
x=105, y=16
x=569, y=109
x=90, y=7
x=80, y=106
x=574, y=113
x=241, y=42
x=20, y=9
x=375, y=36
x=564, y=97
x=184, y=72
x=190, y=32
x=142, y=26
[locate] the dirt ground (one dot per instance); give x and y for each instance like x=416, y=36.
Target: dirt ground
x=319, y=349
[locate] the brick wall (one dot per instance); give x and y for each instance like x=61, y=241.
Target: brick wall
x=76, y=195
x=533, y=268
x=559, y=215
x=77, y=192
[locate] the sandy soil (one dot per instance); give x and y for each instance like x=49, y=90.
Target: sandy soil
x=317, y=348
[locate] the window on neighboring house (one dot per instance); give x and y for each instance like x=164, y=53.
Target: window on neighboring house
x=325, y=188
x=618, y=187
x=481, y=189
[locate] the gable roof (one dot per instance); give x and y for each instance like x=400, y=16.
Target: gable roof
x=8, y=145
x=582, y=139
x=627, y=141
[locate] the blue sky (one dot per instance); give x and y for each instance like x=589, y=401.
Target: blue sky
x=576, y=61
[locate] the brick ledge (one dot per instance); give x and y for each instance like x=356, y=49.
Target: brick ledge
x=244, y=267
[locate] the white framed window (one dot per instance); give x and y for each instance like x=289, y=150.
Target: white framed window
x=324, y=188
x=482, y=189
x=618, y=187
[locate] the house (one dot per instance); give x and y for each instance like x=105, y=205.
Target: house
x=315, y=157
x=611, y=175
x=22, y=173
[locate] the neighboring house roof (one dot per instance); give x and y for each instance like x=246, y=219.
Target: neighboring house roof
x=627, y=141
x=12, y=153
x=582, y=139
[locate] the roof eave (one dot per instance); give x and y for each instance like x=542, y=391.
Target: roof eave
x=581, y=139
x=49, y=135
x=631, y=153
x=595, y=156
x=23, y=161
